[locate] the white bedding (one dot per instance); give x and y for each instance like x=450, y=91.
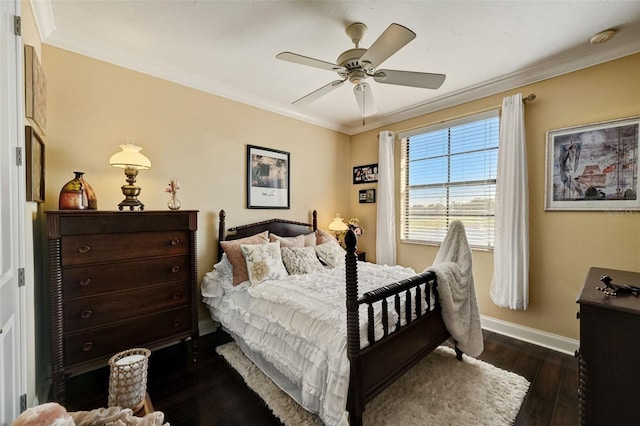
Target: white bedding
x=298, y=324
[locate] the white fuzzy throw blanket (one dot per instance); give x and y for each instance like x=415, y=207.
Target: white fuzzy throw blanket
x=456, y=289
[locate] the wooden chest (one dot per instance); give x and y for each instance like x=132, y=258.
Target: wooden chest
x=119, y=280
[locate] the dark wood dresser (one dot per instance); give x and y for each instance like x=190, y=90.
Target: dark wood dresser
x=609, y=354
x=119, y=280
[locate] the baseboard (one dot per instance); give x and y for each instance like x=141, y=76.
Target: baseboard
x=207, y=326
x=531, y=335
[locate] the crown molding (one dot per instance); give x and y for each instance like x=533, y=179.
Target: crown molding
x=549, y=68
x=113, y=56
x=553, y=66
x=43, y=14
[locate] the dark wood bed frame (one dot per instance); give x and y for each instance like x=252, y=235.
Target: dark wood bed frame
x=376, y=366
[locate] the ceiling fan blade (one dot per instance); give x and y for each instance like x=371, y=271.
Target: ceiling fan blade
x=391, y=40
x=327, y=88
x=424, y=80
x=305, y=60
x=364, y=96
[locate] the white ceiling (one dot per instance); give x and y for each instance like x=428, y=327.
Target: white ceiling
x=228, y=47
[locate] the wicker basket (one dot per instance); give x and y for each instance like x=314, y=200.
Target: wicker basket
x=128, y=378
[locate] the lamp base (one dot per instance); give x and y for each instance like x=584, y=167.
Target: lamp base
x=131, y=191
x=131, y=203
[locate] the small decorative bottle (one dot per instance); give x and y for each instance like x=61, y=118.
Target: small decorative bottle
x=173, y=203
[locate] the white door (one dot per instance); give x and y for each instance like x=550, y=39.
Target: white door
x=12, y=382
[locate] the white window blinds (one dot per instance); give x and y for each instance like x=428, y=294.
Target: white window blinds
x=449, y=172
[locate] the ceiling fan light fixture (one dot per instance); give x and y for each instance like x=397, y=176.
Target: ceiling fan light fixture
x=358, y=64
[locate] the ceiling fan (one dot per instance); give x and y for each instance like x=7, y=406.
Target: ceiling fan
x=358, y=64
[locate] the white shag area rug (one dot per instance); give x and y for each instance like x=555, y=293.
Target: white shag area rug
x=438, y=391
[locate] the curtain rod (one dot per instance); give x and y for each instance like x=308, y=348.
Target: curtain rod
x=529, y=98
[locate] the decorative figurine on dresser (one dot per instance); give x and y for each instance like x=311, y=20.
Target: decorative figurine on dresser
x=609, y=354
x=119, y=280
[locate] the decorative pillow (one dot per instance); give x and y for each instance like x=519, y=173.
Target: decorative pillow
x=264, y=262
x=330, y=254
x=300, y=260
x=288, y=241
x=324, y=237
x=234, y=254
x=310, y=239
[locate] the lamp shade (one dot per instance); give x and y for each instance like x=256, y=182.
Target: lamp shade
x=130, y=158
x=338, y=225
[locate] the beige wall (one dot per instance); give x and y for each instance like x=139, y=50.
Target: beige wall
x=563, y=245
x=196, y=137
x=201, y=139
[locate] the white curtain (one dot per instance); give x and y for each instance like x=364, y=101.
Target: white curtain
x=386, y=215
x=510, y=285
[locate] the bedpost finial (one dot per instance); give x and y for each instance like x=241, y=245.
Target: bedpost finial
x=350, y=240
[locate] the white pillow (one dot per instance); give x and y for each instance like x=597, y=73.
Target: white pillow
x=330, y=254
x=264, y=262
x=300, y=260
x=224, y=267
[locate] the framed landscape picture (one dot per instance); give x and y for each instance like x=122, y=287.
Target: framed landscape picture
x=593, y=167
x=267, y=178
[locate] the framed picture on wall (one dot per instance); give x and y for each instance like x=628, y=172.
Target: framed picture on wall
x=34, y=161
x=365, y=174
x=35, y=89
x=593, y=167
x=367, y=196
x=267, y=178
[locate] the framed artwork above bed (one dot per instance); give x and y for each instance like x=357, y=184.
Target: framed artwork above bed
x=267, y=178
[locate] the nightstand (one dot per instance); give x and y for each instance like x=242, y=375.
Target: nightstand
x=362, y=255
x=609, y=372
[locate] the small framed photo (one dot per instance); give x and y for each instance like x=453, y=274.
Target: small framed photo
x=593, y=167
x=365, y=174
x=367, y=196
x=267, y=178
x=34, y=161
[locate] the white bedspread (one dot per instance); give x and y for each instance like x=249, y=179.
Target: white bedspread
x=299, y=325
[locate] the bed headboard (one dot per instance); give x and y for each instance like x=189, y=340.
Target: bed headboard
x=280, y=227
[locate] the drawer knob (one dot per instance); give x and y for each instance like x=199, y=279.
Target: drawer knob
x=176, y=295
x=85, y=282
x=175, y=268
x=176, y=323
x=578, y=315
x=87, y=346
x=175, y=241
x=86, y=314
x=84, y=249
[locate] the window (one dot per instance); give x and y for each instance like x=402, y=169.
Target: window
x=449, y=172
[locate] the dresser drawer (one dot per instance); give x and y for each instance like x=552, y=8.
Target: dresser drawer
x=85, y=312
x=87, y=249
x=99, y=342
x=102, y=278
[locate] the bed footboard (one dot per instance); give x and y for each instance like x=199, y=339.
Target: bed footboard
x=416, y=334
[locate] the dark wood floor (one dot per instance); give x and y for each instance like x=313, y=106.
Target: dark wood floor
x=210, y=392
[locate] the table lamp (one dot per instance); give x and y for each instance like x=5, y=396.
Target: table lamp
x=131, y=160
x=338, y=226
